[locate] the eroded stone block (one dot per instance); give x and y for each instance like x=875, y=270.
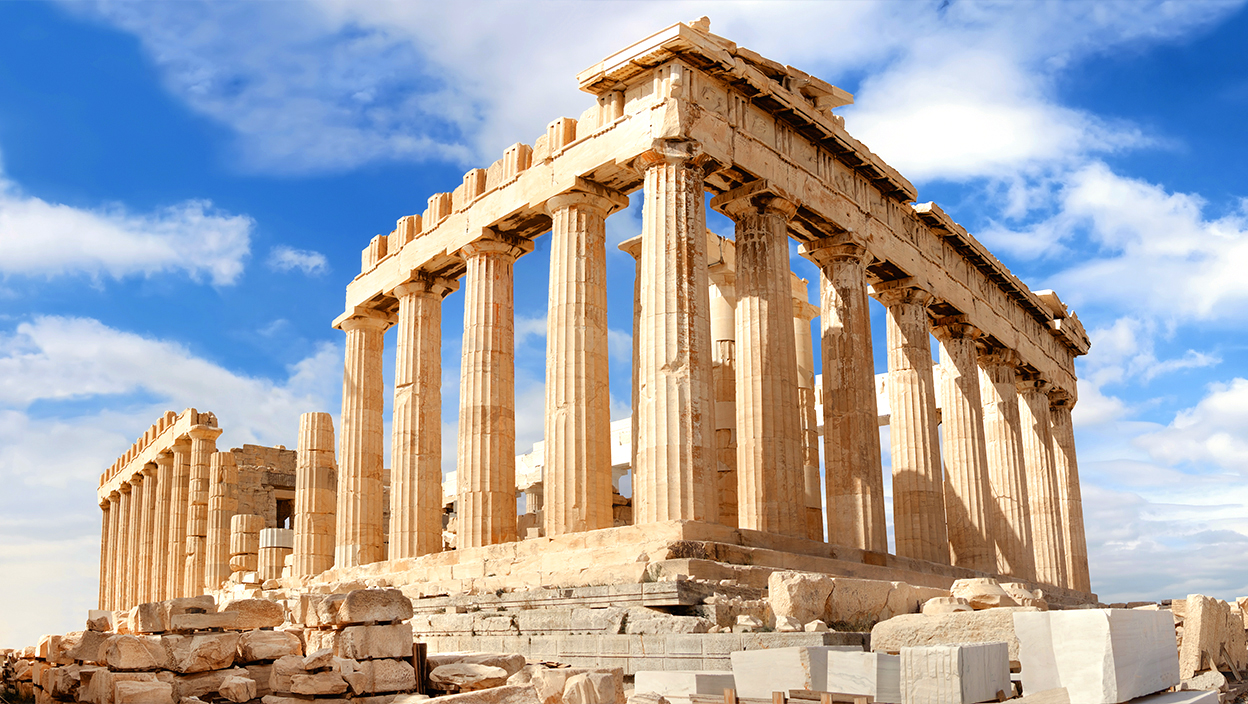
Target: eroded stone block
x=955, y=674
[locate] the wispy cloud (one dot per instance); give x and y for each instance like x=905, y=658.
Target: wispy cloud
x=283, y=258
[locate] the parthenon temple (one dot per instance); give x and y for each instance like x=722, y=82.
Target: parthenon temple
x=723, y=447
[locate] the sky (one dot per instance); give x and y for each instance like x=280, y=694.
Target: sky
x=185, y=189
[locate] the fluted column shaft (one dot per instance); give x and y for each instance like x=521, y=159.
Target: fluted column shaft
x=316, y=488
x=134, y=542
x=175, y=582
x=222, y=505
x=1042, y=492
x=105, y=543
x=146, y=566
x=724, y=381
x=632, y=247
x=576, y=481
x=486, y=467
x=203, y=444
x=918, y=491
x=359, y=524
x=967, y=491
x=803, y=313
x=125, y=560
x=416, y=449
x=160, y=527
x=675, y=474
x=1069, y=494
x=770, y=458
x=116, y=533
x=853, y=475
x=1009, y=518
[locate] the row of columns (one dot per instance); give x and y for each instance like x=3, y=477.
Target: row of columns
x=156, y=541
x=1004, y=497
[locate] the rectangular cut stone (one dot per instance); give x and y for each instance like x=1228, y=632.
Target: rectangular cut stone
x=955, y=674
x=370, y=642
x=1199, y=697
x=677, y=685
x=137, y=692
x=758, y=673
x=1101, y=656
x=874, y=674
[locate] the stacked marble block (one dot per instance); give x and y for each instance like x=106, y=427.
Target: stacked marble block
x=276, y=544
x=1099, y=656
x=955, y=674
x=360, y=641
x=245, y=547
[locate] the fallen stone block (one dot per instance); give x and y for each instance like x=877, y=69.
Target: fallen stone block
x=318, y=684
x=506, y=694
x=257, y=646
x=758, y=673
x=147, y=618
x=877, y=675
x=284, y=668
x=376, y=676
x=372, y=642
x=364, y=606
x=982, y=593
x=238, y=689
x=261, y=673
x=912, y=630
x=138, y=692
x=1026, y=597
x=1208, y=680
x=322, y=639
x=467, y=677
x=1213, y=637
x=578, y=690
x=184, y=623
x=255, y=613
x=99, y=620
x=946, y=605
x=90, y=647
x=202, y=652
x=204, y=604
x=1100, y=656
x=799, y=595
x=319, y=659
x=676, y=685
x=63, y=682
x=955, y=674
x=511, y=662
x=131, y=653
x=1178, y=698
x=202, y=684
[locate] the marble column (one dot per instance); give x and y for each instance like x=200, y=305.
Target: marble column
x=1069, y=495
x=178, y=492
x=134, y=542
x=576, y=478
x=803, y=314
x=1008, y=517
x=967, y=490
x=918, y=491
x=1042, y=491
x=853, y=475
x=203, y=444
x=147, y=556
x=245, y=542
x=105, y=513
x=674, y=478
x=724, y=381
x=316, y=489
x=160, y=526
x=416, y=449
x=770, y=457
x=222, y=505
x=113, y=590
x=486, y=466
x=360, y=502
x=632, y=247
x=125, y=557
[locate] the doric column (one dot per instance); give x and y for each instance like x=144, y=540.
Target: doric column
x=486, y=467
x=770, y=466
x=724, y=381
x=112, y=590
x=803, y=314
x=416, y=449
x=918, y=493
x=203, y=444
x=105, y=513
x=853, y=476
x=576, y=478
x=147, y=530
x=175, y=582
x=359, y=530
x=1069, y=495
x=134, y=542
x=125, y=559
x=675, y=474
x=316, y=489
x=160, y=526
x=967, y=491
x=1043, y=503
x=1008, y=518
x=632, y=247
x=222, y=505
x=245, y=542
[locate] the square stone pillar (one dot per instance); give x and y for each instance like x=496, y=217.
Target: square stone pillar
x=160, y=526
x=203, y=444
x=222, y=505
x=1042, y=493
x=967, y=491
x=674, y=477
x=770, y=457
x=360, y=503
x=1069, y=495
x=125, y=556
x=316, y=489
x=1008, y=517
x=853, y=475
x=918, y=490
x=486, y=465
x=147, y=530
x=178, y=506
x=416, y=449
x=576, y=475
x=803, y=314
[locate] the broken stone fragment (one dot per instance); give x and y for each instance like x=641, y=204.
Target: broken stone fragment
x=982, y=593
x=318, y=684
x=284, y=668
x=319, y=659
x=238, y=689
x=378, y=676
x=203, y=684
x=747, y=624
x=373, y=606
x=139, y=692
x=816, y=626
x=133, y=653
x=202, y=652
x=799, y=595
x=371, y=642
x=788, y=624
x=147, y=618
x=185, y=623
x=506, y=694
x=511, y=662
x=255, y=613
x=946, y=605
x=467, y=677
x=257, y=646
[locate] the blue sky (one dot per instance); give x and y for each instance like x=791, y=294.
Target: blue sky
x=185, y=189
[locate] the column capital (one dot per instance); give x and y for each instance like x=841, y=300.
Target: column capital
x=420, y=282
x=805, y=310
x=149, y=469
x=676, y=152
x=204, y=432
x=106, y=503
x=588, y=194
x=114, y=496
x=182, y=444
x=497, y=243
x=761, y=196
x=632, y=247
x=1061, y=399
x=124, y=488
x=901, y=291
x=955, y=327
x=990, y=356
x=164, y=458
x=1032, y=383
x=363, y=318
x=845, y=246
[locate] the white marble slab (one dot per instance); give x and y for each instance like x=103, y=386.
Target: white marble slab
x=955, y=674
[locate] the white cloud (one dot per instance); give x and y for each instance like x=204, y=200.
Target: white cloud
x=38, y=238
x=1213, y=432
x=284, y=258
